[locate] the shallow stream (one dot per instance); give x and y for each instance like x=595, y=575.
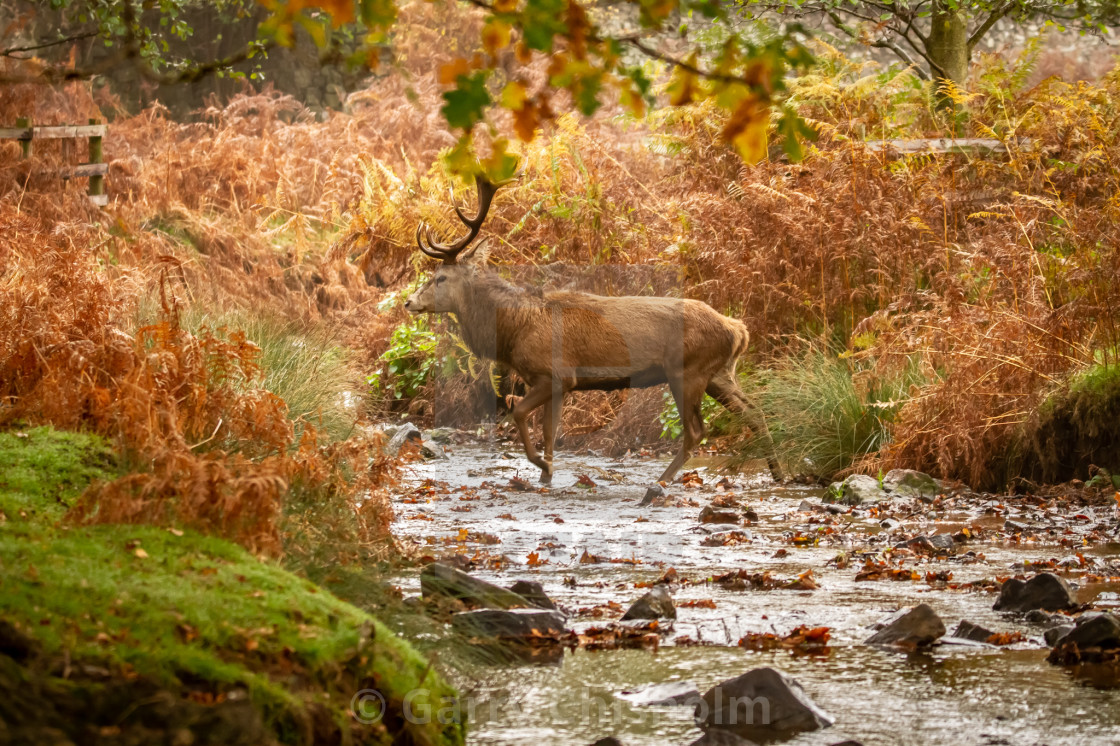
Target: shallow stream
x=953, y=694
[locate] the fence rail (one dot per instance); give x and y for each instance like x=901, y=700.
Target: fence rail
x=95, y=170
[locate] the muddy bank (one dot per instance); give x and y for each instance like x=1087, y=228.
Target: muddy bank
x=594, y=552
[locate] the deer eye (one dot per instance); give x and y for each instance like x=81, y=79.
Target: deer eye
x=440, y=279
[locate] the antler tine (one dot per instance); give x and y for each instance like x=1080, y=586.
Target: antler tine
x=435, y=251
x=447, y=252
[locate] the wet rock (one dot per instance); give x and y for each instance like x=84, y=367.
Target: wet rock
x=657, y=604
x=438, y=579
x=936, y=544
x=533, y=592
x=857, y=489
x=1038, y=616
x=720, y=737
x=1043, y=591
x=910, y=483
x=1015, y=527
x=656, y=492
x=1101, y=631
x=522, y=625
x=915, y=627
x=1052, y=635
x=667, y=693
x=761, y=704
x=405, y=434
x=966, y=630
x=608, y=741
x=711, y=515
x=429, y=449
x=441, y=435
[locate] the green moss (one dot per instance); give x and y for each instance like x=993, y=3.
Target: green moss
x=181, y=608
x=1076, y=428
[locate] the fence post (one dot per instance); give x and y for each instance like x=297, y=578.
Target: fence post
x=96, y=181
x=25, y=145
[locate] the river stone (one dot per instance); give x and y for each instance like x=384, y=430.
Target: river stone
x=666, y=693
x=913, y=627
x=1099, y=631
x=1043, y=591
x=657, y=604
x=762, y=704
x=406, y=433
x=720, y=737
x=438, y=579
x=711, y=515
x=430, y=449
x=509, y=625
x=910, y=483
x=533, y=592
x=1052, y=635
x=441, y=435
x=936, y=544
x=966, y=630
x=855, y=490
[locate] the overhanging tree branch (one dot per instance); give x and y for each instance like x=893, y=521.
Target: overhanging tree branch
x=987, y=24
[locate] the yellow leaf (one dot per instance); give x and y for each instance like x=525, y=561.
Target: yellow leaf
x=505, y=6
x=495, y=36
x=525, y=122
x=139, y=552
x=746, y=129
x=449, y=72
x=682, y=84
x=514, y=95
x=632, y=101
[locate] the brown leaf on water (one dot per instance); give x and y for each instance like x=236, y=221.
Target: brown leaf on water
x=706, y=603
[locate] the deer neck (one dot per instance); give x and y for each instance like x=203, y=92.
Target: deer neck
x=490, y=319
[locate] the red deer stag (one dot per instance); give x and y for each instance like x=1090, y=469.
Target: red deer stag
x=567, y=341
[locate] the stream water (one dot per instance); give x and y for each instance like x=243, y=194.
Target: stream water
x=469, y=504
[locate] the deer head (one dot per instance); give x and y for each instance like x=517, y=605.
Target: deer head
x=446, y=291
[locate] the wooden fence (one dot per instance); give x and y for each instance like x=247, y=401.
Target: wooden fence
x=94, y=170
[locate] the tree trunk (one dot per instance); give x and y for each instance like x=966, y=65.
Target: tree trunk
x=948, y=51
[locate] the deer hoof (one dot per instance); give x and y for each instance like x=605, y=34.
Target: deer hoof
x=546, y=477
x=653, y=492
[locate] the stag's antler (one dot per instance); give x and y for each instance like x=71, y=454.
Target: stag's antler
x=448, y=252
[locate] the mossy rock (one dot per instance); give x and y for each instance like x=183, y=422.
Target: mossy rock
x=1076, y=428
x=134, y=626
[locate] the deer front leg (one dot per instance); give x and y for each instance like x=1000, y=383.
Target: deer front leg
x=692, y=432
x=552, y=411
x=538, y=394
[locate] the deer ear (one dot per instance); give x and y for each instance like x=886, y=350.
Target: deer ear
x=478, y=255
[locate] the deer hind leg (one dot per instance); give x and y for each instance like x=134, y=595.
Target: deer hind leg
x=687, y=397
x=539, y=393
x=724, y=389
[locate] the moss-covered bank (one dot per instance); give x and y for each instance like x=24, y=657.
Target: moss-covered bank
x=134, y=634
